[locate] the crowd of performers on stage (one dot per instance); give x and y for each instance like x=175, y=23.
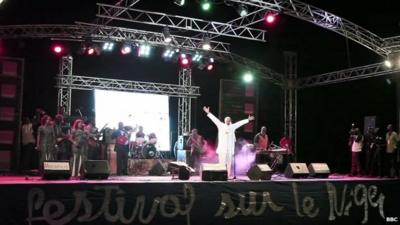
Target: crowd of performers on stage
x=80, y=140
x=375, y=153
x=47, y=139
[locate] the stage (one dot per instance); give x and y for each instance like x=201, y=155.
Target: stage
x=163, y=200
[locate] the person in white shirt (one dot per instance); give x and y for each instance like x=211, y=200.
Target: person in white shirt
x=356, y=148
x=226, y=137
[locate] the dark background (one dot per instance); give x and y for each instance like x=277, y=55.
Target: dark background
x=324, y=113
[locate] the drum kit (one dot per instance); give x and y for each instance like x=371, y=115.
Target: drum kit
x=142, y=149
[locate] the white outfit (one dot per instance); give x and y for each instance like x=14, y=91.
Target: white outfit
x=226, y=139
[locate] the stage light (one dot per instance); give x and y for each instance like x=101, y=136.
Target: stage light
x=58, y=49
x=168, y=53
x=248, y=77
x=197, y=57
x=242, y=10
x=206, y=43
x=210, y=67
x=185, y=61
x=270, y=17
x=126, y=49
x=144, y=50
x=179, y=2
x=108, y=46
x=167, y=35
x=388, y=64
x=205, y=5
x=2, y=1
x=91, y=51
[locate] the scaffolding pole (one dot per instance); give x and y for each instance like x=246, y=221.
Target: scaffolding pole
x=64, y=93
x=290, y=100
x=184, y=103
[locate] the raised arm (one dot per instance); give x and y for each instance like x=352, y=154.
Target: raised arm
x=242, y=122
x=214, y=119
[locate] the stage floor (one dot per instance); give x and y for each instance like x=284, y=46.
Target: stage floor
x=20, y=179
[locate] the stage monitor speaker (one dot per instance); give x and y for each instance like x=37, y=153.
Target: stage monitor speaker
x=296, y=170
x=319, y=170
x=260, y=172
x=183, y=173
x=96, y=169
x=214, y=172
x=55, y=170
x=158, y=169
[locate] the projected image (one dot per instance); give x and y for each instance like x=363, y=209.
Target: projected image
x=135, y=109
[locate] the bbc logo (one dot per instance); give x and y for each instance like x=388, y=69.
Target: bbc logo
x=392, y=219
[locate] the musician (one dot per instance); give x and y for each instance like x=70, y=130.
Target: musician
x=226, y=137
x=196, y=144
x=46, y=140
x=261, y=140
x=93, y=145
x=28, y=144
x=122, y=148
x=140, y=136
x=62, y=133
x=79, y=147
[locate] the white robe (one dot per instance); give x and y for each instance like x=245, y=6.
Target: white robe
x=226, y=138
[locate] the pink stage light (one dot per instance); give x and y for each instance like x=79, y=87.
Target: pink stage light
x=185, y=61
x=58, y=49
x=210, y=67
x=90, y=51
x=270, y=17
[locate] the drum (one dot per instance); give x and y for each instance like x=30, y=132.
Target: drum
x=149, y=151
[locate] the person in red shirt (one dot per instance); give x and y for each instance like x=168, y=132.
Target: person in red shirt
x=261, y=140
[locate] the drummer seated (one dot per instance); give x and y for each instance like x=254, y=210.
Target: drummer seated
x=152, y=138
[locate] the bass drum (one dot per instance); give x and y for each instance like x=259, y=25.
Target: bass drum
x=149, y=151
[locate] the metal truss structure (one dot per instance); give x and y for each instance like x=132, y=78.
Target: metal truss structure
x=290, y=99
x=95, y=32
x=65, y=91
x=66, y=82
x=356, y=73
x=184, y=103
x=261, y=70
x=323, y=19
x=179, y=22
x=241, y=27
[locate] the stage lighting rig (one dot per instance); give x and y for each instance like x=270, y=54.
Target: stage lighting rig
x=167, y=35
x=108, y=46
x=242, y=10
x=206, y=43
x=248, y=77
x=206, y=5
x=126, y=49
x=185, y=60
x=179, y=2
x=144, y=50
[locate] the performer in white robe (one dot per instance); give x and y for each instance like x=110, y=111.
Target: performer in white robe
x=226, y=137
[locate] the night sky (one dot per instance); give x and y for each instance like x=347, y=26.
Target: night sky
x=324, y=113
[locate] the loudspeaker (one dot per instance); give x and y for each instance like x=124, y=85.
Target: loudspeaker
x=96, y=169
x=260, y=172
x=55, y=170
x=320, y=170
x=158, y=169
x=214, y=172
x=296, y=170
x=183, y=173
